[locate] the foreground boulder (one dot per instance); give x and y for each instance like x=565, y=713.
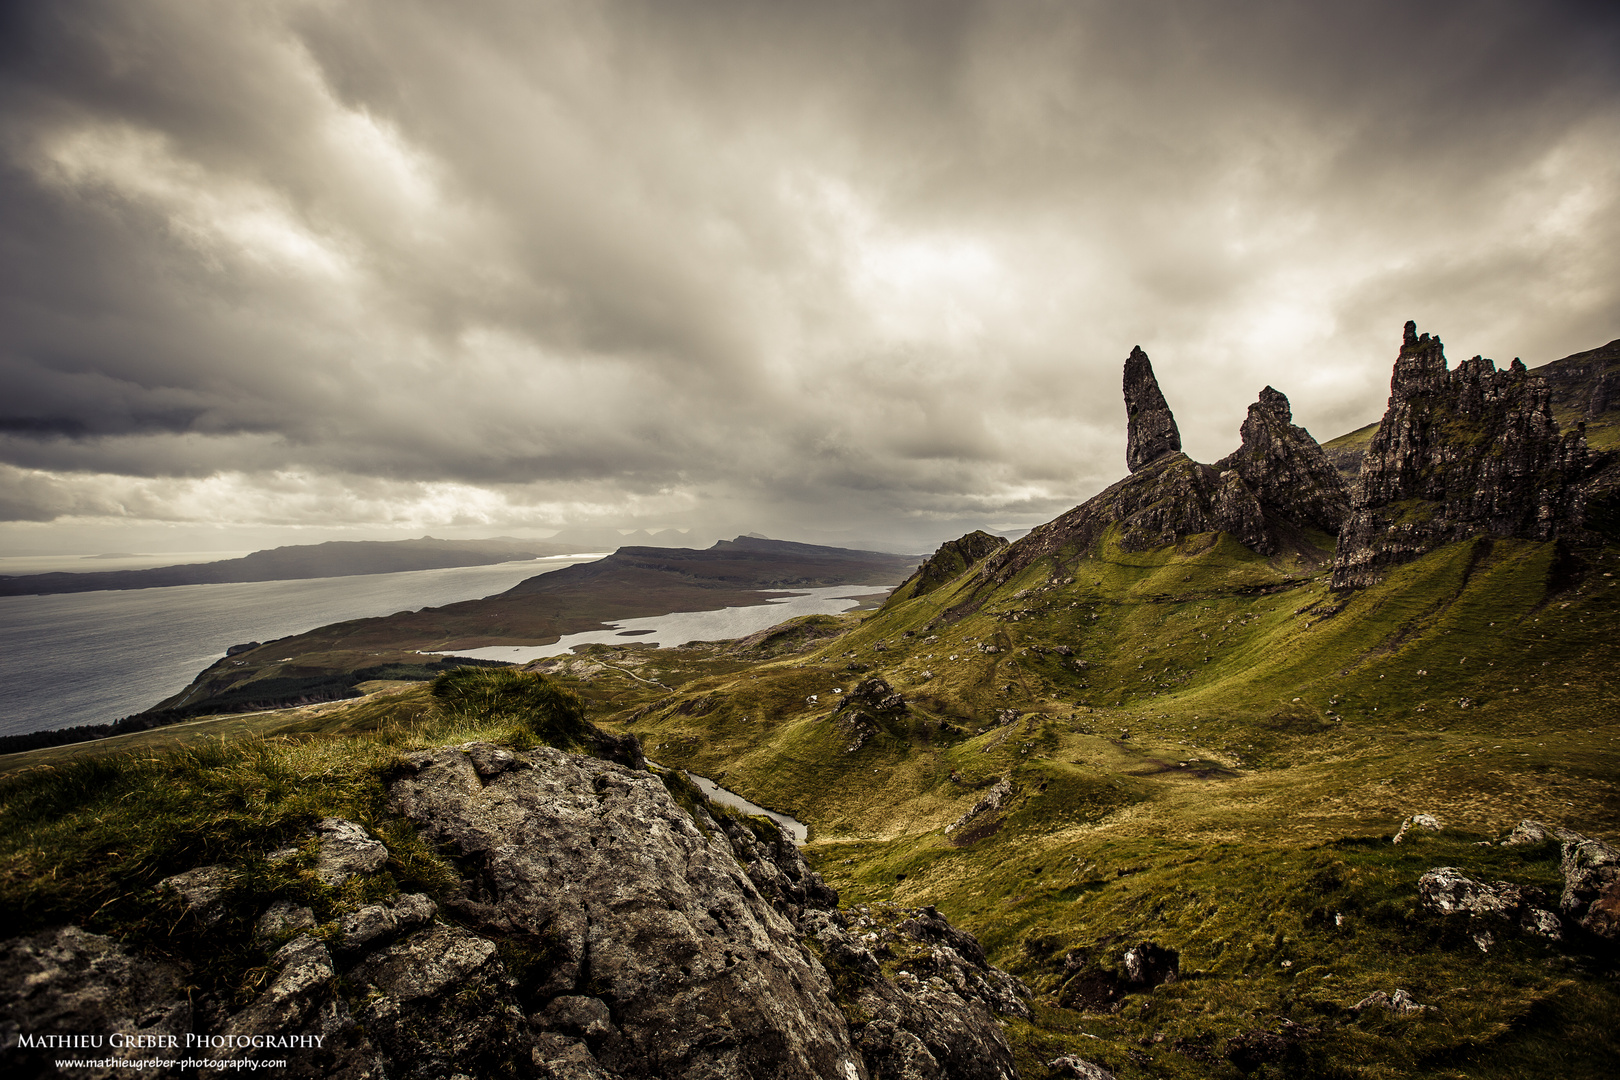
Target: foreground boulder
x=598, y=931
x=596, y=866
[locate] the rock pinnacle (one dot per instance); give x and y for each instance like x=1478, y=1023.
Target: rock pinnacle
x=1152, y=430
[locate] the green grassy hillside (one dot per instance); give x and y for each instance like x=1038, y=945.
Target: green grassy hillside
x=1198, y=747
x=1211, y=750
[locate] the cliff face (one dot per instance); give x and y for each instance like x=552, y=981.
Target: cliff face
x=1458, y=453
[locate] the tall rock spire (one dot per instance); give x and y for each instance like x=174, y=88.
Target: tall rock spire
x=1152, y=430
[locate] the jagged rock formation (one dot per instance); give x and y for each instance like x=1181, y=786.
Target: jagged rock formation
x=599, y=931
x=948, y=563
x=1151, y=430
x=1457, y=454
x=1286, y=469
x=1266, y=494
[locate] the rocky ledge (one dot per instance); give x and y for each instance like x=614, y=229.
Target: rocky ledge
x=598, y=930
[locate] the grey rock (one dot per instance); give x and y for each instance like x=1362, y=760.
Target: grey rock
x=69, y=981
x=1148, y=965
x=281, y=918
x=371, y=923
x=558, y=1057
x=935, y=1018
x=491, y=760
x=1403, y=1004
x=701, y=974
x=1400, y=1003
x=1591, y=897
x=201, y=890
x=576, y=1015
x=346, y=849
x=1542, y=923
x=1151, y=429
x=876, y=693
x=777, y=869
x=1078, y=1068
x=1448, y=891
x=1427, y=822
x=441, y=1002
x=989, y=804
x=1534, y=832
x=301, y=1000
x=414, y=909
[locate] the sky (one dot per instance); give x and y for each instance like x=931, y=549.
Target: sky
x=293, y=270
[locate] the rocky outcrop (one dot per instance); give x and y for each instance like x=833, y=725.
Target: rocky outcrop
x=635, y=907
x=1448, y=891
x=1286, y=469
x=868, y=708
x=1588, y=907
x=598, y=931
x=1458, y=453
x=1150, y=428
x=1269, y=494
x=934, y=1017
x=953, y=558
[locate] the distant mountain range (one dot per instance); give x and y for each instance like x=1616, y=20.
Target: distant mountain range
x=337, y=558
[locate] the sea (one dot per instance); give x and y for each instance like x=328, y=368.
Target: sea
x=91, y=658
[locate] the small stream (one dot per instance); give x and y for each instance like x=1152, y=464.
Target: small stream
x=795, y=828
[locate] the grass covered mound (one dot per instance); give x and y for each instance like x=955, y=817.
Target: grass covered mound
x=86, y=840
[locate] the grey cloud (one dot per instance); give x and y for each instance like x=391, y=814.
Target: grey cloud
x=827, y=265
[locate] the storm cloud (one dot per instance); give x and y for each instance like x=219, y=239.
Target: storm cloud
x=810, y=268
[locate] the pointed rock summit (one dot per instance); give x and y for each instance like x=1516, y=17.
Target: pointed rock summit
x=1286, y=469
x=1152, y=429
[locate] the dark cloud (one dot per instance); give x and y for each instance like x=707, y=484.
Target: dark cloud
x=802, y=266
